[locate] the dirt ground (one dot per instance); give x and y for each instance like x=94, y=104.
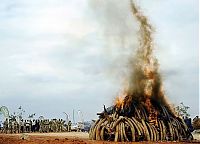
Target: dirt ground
x=57, y=138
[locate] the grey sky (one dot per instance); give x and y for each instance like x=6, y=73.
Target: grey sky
x=60, y=55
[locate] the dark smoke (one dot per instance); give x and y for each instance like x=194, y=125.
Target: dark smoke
x=145, y=80
x=142, y=78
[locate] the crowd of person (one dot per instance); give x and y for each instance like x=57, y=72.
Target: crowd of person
x=42, y=126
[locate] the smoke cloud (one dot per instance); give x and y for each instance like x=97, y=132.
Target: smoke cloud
x=118, y=34
x=137, y=65
x=144, y=78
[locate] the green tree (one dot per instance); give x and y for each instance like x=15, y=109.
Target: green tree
x=182, y=110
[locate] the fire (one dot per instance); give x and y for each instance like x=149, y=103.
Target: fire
x=119, y=101
x=141, y=111
x=153, y=113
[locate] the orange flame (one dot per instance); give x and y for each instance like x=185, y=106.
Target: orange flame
x=119, y=101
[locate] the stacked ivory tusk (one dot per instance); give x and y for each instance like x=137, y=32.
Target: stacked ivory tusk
x=115, y=127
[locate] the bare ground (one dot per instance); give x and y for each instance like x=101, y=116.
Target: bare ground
x=57, y=138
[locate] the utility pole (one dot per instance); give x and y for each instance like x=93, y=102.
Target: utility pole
x=80, y=114
x=73, y=117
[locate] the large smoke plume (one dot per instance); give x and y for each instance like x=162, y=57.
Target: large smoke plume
x=141, y=77
x=144, y=78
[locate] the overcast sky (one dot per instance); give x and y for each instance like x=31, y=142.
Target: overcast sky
x=60, y=55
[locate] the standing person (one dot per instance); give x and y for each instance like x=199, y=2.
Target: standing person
x=22, y=126
x=15, y=128
x=41, y=125
x=37, y=125
x=27, y=126
x=63, y=128
x=53, y=125
x=30, y=125
x=45, y=126
x=33, y=126
x=69, y=126
x=20, y=123
x=10, y=126
x=50, y=126
x=5, y=126
x=59, y=125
